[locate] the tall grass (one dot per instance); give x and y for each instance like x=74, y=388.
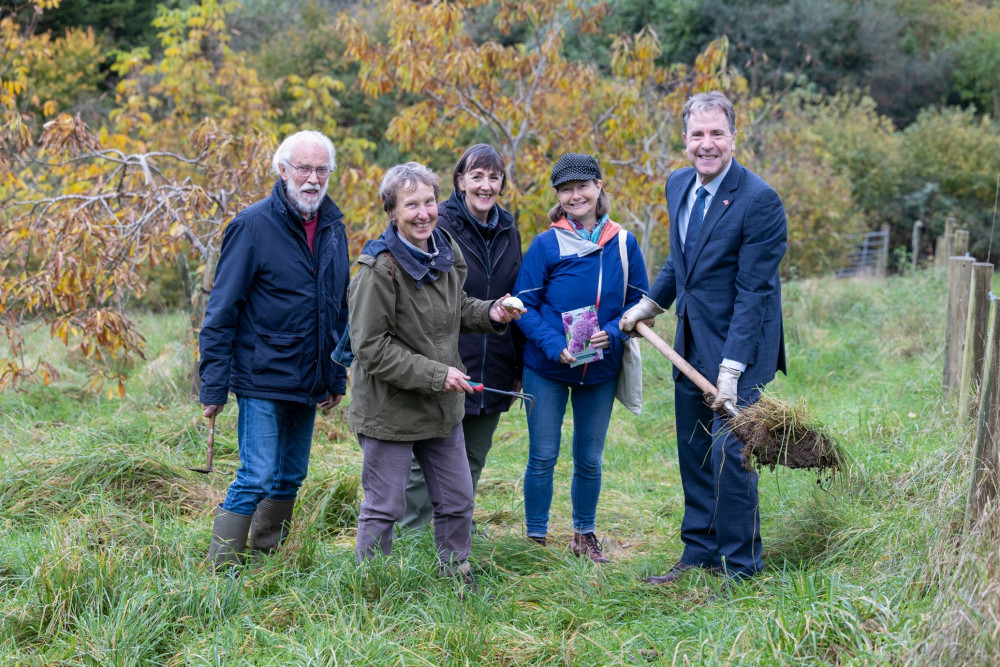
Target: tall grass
x=103, y=529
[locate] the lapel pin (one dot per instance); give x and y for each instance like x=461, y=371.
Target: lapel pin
x=725, y=202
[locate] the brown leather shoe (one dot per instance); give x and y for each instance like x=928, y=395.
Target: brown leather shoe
x=587, y=544
x=679, y=570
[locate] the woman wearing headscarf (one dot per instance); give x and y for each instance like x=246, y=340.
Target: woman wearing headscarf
x=571, y=283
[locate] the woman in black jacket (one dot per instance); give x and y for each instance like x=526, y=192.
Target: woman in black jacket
x=491, y=245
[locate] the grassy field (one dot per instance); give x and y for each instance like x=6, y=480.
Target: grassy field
x=103, y=530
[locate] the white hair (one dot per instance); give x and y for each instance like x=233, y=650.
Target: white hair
x=284, y=151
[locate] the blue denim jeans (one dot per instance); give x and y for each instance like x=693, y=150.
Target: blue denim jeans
x=275, y=438
x=591, y=415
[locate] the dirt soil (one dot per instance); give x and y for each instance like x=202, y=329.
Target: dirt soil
x=775, y=433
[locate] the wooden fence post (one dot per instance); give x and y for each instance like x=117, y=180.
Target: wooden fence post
x=950, y=223
x=959, y=282
x=915, y=243
x=975, y=339
x=983, y=478
x=882, y=262
x=960, y=243
x=942, y=248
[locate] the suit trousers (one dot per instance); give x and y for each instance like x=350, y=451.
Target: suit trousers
x=385, y=470
x=721, y=526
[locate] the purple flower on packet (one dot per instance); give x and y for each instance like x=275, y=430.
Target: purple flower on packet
x=580, y=325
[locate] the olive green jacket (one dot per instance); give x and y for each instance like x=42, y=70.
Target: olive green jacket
x=404, y=339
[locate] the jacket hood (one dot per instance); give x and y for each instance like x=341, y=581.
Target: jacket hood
x=421, y=271
x=570, y=242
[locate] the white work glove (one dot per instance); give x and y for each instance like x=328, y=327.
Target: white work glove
x=725, y=388
x=644, y=311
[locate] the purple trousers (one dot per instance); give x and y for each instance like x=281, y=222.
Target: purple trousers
x=385, y=472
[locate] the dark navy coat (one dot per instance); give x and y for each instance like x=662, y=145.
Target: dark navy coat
x=276, y=310
x=728, y=292
x=493, y=262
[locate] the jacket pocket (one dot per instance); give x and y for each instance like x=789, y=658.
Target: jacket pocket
x=277, y=360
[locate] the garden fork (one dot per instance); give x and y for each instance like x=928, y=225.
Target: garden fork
x=529, y=400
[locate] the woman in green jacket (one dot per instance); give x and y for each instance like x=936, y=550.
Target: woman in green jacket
x=407, y=307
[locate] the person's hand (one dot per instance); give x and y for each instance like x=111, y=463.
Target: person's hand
x=644, y=312
x=456, y=380
x=502, y=314
x=212, y=410
x=565, y=357
x=331, y=400
x=726, y=387
x=517, y=387
x=600, y=340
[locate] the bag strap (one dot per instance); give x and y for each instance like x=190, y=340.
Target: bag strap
x=622, y=240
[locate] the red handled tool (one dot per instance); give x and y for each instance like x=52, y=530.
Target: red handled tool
x=529, y=400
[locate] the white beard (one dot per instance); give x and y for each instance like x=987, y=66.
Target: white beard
x=306, y=209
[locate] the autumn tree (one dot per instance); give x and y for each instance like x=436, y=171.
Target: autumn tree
x=17, y=42
x=188, y=144
x=640, y=131
x=531, y=102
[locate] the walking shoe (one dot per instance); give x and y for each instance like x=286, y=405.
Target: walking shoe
x=537, y=539
x=679, y=570
x=587, y=544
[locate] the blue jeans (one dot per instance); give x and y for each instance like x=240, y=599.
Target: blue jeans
x=275, y=438
x=591, y=415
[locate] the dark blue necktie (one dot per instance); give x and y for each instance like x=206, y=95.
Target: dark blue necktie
x=694, y=220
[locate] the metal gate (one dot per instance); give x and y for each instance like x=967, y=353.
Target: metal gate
x=869, y=257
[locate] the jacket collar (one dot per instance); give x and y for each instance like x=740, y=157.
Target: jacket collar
x=609, y=232
x=422, y=270
x=328, y=212
x=455, y=204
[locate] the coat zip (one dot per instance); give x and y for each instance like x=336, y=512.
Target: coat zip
x=597, y=304
x=482, y=359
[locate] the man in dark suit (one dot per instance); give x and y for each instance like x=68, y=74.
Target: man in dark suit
x=727, y=237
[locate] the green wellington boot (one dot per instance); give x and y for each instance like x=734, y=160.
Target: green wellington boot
x=270, y=524
x=229, y=538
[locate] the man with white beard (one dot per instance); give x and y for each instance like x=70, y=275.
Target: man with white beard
x=276, y=312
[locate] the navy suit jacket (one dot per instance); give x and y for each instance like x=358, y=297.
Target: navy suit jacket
x=728, y=292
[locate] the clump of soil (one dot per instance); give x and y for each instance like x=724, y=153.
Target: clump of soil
x=775, y=433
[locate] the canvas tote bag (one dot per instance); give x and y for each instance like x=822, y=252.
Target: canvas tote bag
x=629, y=388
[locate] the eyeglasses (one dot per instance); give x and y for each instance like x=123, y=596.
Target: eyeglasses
x=304, y=171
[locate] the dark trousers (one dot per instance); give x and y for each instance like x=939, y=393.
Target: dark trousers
x=385, y=471
x=721, y=523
